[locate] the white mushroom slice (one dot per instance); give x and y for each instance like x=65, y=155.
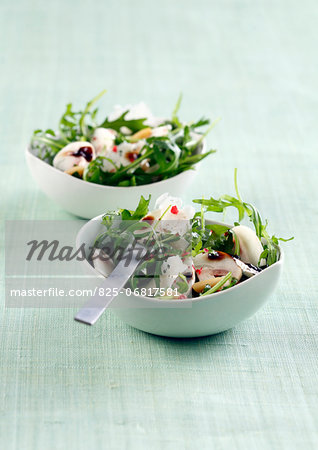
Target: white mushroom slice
x=103, y=140
x=215, y=264
x=250, y=246
x=102, y=262
x=248, y=269
x=74, y=154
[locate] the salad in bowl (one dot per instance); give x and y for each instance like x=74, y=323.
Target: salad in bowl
x=130, y=147
x=187, y=255
x=89, y=165
x=198, y=276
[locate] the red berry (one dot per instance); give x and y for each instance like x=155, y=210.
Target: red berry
x=174, y=210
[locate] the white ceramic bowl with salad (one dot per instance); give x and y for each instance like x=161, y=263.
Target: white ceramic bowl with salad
x=229, y=274
x=90, y=165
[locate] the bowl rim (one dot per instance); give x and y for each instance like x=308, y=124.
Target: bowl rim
x=215, y=295
x=29, y=153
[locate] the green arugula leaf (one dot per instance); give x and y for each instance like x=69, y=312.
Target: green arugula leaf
x=142, y=208
x=200, y=123
x=134, y=125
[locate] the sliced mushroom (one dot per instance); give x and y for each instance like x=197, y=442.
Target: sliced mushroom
x=200, y=285
x=248, y=269
x=250, y=245
x=74, y=154
x=215, y=264
x=75, y=169
x=103, y=140
x=102, y=262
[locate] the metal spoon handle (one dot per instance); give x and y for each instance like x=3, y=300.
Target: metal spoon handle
x=95, y=307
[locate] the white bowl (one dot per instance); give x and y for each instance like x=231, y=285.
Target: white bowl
x=88, y=200
x=195, y=317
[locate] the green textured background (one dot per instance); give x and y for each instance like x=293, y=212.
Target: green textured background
x=254, y=64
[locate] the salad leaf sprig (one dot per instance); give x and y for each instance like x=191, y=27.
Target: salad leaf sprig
x=133, y=124
x=87, y=129
x=73, y=126
x=270, y=243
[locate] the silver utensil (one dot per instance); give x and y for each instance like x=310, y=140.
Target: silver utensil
x=94, y=308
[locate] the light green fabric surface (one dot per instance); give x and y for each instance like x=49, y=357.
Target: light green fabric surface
x=254, y=64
